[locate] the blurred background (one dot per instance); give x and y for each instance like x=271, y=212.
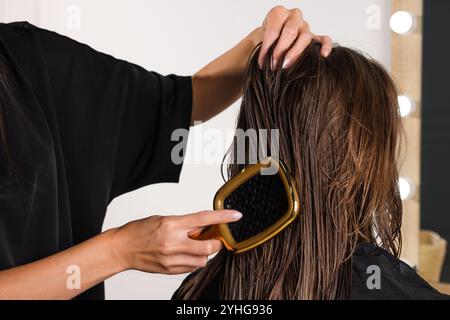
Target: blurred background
x=409, y=37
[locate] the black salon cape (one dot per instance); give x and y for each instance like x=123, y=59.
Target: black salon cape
x=87, y=128
x=397, y=280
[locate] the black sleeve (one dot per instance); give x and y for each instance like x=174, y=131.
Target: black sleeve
x=115, y=118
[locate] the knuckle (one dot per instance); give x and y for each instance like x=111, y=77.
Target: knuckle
x=204, y=213
x=296, y=12
x=165, y=247
x=165, y=263
x=291, y=31
x=307, y=36
x=327, y=39
x=305, y=25
x=203, y=217
x=218, y=245
x=277, y=10
x=272, y=32
x=167, y=224
x=209, y=248
x=203, y=262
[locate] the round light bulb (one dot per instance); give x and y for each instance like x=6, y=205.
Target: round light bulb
x=406, y=106
x=405, y=187
x=401, y=22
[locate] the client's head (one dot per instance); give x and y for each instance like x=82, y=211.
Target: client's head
x=338, y=127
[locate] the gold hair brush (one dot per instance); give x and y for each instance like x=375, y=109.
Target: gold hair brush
x=266, y=196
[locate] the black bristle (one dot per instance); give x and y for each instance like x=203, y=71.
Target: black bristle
x=262, y=200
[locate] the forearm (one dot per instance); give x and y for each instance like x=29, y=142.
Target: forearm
x=155, y=244
x=220, y=83
x=50, y=278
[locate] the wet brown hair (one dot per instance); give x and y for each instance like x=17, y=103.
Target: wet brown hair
x=339, y=130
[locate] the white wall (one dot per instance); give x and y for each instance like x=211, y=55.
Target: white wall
x=180, y=36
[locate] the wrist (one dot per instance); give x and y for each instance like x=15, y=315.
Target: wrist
x=256, y=36
x=115, y=250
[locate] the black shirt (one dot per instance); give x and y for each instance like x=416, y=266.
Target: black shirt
x=396, y=280
x=86, y=128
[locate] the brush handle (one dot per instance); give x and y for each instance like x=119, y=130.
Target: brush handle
x=210, y=232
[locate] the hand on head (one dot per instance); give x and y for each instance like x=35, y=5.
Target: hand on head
x=292, y=34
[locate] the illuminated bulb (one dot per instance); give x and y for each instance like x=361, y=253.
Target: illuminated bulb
x=402, y=22
x=406, y=106
x=406, y=187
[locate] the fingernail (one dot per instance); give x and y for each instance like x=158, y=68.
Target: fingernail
x=326, y=53
x=236, y=215
x=286, y=63
x=274, y=64
x=260, y=65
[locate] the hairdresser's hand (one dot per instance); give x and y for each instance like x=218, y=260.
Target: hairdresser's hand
x=293, y=34
x=160, y=244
